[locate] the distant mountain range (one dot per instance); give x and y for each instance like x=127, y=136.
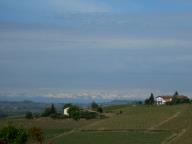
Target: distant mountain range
x=43, y=99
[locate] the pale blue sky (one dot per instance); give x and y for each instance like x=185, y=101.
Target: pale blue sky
x=96, y=44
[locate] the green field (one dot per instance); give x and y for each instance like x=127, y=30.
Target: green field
x=112, y=138
x=134, y=125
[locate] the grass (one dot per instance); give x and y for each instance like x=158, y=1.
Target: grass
x=135, y=125
x=112, y=138
x=135, y=117
x=50, y=127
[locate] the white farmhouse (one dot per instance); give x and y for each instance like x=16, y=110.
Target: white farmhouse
x=160, y=100
x=65, y=111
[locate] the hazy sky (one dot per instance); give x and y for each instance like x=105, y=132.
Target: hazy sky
x=96, y=44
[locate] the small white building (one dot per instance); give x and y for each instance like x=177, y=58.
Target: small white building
x=160, y=100
x=65, y=111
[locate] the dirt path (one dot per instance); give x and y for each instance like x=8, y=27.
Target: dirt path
x=174, y=137
x=165, y=121
x=62, y=134
x=71, y=131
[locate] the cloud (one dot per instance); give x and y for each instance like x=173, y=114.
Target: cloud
x=101, y=94
x=79, y=6
x=49, y=39
x=39, y=7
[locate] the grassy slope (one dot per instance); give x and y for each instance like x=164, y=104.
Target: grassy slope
x=50, y=127
x=139, y=117
x=179, y=122
x=112, y=138
x=182, y=125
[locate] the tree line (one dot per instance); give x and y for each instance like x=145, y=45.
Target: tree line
x=75, y=112
x=175, y=100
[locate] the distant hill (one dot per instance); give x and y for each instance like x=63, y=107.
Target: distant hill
x=22, y=104
x=120, y=102
x=21, y=107
x=2, y=114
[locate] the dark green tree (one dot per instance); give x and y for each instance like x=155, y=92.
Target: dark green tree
x=50, y=111
x=74, y=112
x=29, y=115
x=99, y=109
x=176, y=93
x=94, y=105
x=150, y=100
x=67, y=105
x=53, y=109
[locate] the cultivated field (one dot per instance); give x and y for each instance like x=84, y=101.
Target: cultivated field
x=124, y=125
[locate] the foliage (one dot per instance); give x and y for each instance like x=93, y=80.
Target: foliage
x=29, y=115
x=176, y=93
x=100, y=110
x=67, y=105
x=176, y=100
x=49, y=111
x=74, y=112
x=150, y=100
x=36, y=134
x=12, y=135
x=88, y=115
x=96, y=107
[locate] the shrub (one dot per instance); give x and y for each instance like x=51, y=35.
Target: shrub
x=88, y=115
x=29, y=115
x=100, y=110
x=36, y=134
x=74, y=112
x=12, y=135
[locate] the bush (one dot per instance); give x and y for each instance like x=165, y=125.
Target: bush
x=12, y=135
x=88, y=115
x=29, y=115
x=100, y=110
x=36, y=134
x=176, y=100
x=74, y=112
x=94, y=106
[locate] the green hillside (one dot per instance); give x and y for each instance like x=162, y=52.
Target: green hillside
x=128, y=124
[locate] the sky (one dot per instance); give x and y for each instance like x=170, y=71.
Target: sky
x=90, y=47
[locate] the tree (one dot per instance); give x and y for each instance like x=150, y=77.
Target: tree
x=150, y=100
x=100, y=110
x=49, y=111
x=53, y=110
x=176, y=94
x=94, y=105
x=29, y=115
x=74, y=112
x=67, y=105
